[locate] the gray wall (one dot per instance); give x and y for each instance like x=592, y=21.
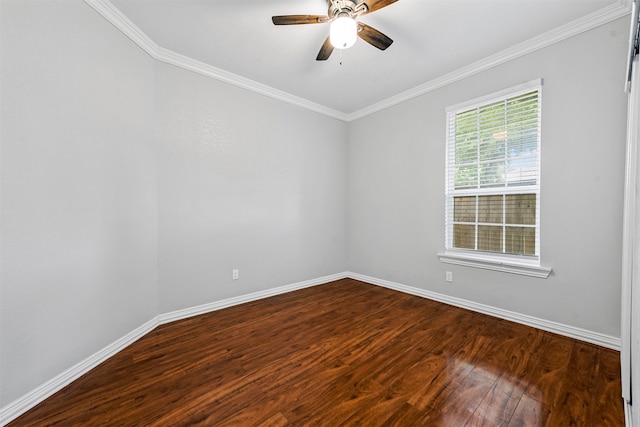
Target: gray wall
x=396, y=186
x=245, y=182
x=78, y=170
x=131, y=188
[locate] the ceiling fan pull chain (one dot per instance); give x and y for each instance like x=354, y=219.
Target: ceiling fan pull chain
x=341, y=56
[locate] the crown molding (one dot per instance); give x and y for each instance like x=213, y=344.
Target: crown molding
x=588, y=22
x=131, y=30
x=128, y=28
x=125, y=25
x=187, y=63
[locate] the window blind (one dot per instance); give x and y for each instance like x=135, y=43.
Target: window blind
x=493, y=174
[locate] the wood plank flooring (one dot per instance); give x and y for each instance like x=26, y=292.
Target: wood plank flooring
x=344, y=354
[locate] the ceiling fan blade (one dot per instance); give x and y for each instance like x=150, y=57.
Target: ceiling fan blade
x=325, y=50
x=373, y=5
x=373, y=36
x=299, y=19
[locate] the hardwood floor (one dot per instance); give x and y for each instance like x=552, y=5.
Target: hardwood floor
x=344, y=353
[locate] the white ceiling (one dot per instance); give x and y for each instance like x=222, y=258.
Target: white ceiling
x=432, y=38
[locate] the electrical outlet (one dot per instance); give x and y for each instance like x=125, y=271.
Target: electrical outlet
x=449, y=276
x=235, y=274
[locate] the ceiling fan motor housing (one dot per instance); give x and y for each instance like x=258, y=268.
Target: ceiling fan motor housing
x=346, y=8
x=337, y=10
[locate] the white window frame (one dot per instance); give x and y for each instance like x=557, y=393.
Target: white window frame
x=519, y=264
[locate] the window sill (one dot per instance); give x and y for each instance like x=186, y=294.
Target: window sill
x=496, y=265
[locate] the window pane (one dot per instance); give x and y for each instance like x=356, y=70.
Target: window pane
x=466, y=176
x=490, y=209
x=492, y=154
x=464, y=209
x=490, y=238
x=522, y=170
x=464, y=236
x=466, y=150
x=492, y=174
x=491, y=117
x=521, y=240
x=466, y=138
x=466, y=120
x=492, y=149
x=521, y=209
x=522, y=142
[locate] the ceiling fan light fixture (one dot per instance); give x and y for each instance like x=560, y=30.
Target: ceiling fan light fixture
x=343, y=32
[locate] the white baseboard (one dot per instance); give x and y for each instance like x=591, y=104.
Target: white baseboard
x=229, y=302
x=37, y=395
x=546, y=325
x=31, y=399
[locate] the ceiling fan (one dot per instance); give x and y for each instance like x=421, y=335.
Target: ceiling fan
x=345, y=27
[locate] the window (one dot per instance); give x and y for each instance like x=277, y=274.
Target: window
x=493, y=177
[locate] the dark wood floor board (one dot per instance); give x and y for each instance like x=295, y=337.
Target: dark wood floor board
x=514, y=358
x=575, y=403
x=441, y=386
x=531, y=413
x=389, y=400
x=406, y=415
x=461, y=403
x=300, y=381
x=550, y=361
x=495, y=409
x=313, y=395
x=608, y=386
x=335, y=398
x=377, y=367
x=366, y=343
x=344, y=353
x=247, y=404
x=340, y=406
